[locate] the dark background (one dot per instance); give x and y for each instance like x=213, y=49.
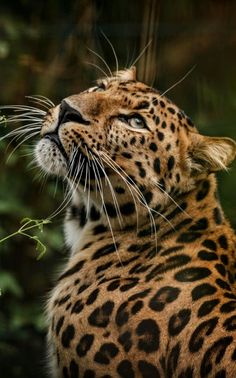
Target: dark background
x=44, y=50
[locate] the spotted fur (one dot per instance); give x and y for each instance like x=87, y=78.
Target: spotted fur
x=149, y=288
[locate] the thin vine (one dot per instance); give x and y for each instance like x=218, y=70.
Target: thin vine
x=28, y=225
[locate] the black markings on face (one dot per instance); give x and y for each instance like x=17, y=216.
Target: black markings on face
x=162, y=104
x=119, y=190
x=142, y=105
x=132, y=141
x=171, y=110
x=189, y=121
x=84, y=345
x=199, y=335
x=142, y=172
x=154, y=101
x=178, y=322
x=99, y=229
x=177, y=176
x=149, y=335
x=79, y=213
x=172, y=127
x=160, y=136
x=157, y=120
x=111, y=210
x=67, y=336
x=192, y=274
x=100, y=317
x=142, y=140
x=106, y=352
x=148, y=196
x=94, y=214
x=157, y=166
x=127, y=155
x=127, y=208
x=171, y=163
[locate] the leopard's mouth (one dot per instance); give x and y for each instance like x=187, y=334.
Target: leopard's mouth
x=77, y=165
x=54, y=138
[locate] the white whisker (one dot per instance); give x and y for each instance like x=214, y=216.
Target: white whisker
x=179, y=81
x=103, y=60
x=113, y=50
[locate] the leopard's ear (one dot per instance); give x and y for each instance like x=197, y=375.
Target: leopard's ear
x=127, y=75
x=210, y=154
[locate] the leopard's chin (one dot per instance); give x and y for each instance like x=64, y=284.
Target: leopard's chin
x=50, y=158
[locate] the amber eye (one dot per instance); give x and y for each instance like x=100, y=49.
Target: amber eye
x=136, y=122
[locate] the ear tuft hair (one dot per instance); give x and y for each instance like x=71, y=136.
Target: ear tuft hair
x=127, y=75
x=209, y=154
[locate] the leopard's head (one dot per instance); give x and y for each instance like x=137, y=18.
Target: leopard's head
x=129, y=143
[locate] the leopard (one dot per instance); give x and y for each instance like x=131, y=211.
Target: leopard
x=148, y=289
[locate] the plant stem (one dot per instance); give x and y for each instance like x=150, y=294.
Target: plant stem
x=22, y=230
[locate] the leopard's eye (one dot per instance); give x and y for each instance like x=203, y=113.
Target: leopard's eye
x=100, y=87
x=136, y=122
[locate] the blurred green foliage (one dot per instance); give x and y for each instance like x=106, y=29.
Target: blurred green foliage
x=44, y=50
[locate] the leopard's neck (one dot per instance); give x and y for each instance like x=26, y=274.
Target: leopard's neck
x=85, y=224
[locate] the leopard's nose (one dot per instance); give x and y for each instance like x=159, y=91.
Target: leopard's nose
x=69, y=114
